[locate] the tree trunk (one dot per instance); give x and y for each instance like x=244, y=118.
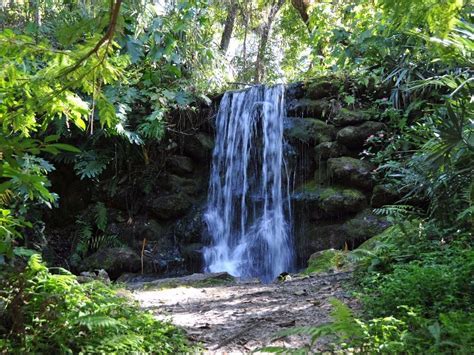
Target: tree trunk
x=265, y=33
x=302, y=7
x=229, y=25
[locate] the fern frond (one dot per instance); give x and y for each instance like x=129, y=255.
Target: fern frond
x=100, y=216
x=397, y=211
x=104, y=241
x=6, y=197
x=94, y=322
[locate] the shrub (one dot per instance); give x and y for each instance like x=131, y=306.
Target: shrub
x=428, y=287
x=48, y=312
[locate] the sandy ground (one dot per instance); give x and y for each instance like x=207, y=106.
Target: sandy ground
x=240, y=317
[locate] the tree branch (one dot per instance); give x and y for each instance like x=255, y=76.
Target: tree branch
x=108, y=36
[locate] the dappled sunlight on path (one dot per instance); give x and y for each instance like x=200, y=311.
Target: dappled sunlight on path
x=240, y=317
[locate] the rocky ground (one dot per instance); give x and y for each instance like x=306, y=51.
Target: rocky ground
x=232, y=316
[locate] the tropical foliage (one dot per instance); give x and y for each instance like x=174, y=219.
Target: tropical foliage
x=96, y=84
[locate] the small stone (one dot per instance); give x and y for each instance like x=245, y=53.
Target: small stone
x=300, y=293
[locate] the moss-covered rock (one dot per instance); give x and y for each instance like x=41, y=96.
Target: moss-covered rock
x=308, y=131
x=326, y=150
x=354, y=137
x=384, y=195
x=176, y=184
x=325, y=260
x=392, y=233
x=294, y=91
x=171, y=206
x=319, y=202
x=340, y=201
x=321, y=88
x=346, y=117
x=316, y=236
x=180, y=165
x=115, y=261
x=199, y=146
x=351, y=172
x=309, y=108
x=364, y=226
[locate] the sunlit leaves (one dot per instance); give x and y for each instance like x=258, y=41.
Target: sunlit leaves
x=437, y=17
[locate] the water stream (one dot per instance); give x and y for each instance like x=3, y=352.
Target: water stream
x=248, y=213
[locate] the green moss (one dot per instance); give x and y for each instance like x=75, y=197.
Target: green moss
x=394, y=232
x=330, y=192
x=309, y=130
x=309, y=187
x=325, y=261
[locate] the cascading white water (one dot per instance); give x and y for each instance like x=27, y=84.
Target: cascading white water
x=248, y=205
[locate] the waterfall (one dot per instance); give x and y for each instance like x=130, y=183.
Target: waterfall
x=248, y=209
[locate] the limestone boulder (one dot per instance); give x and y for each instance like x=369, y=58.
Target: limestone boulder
x=192, y=227
x=326, y=150
x=351, y=172
x=319, y=202
x=346, y=117
x=170, y=206
x=314, y=237
x=115, y=261
x=180, y=165
x=309, y=108
x=384, y=195
x=354, y=137
x=321, y=89
x=199, y=147
x=364, y=226
x=307, y=131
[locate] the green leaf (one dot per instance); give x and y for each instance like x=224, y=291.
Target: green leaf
x=65, y=147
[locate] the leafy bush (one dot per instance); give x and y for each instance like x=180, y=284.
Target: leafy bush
x=429, y=288
x=48, y=312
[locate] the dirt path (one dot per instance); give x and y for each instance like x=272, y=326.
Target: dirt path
x=240, y=317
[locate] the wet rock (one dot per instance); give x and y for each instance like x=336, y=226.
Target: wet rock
x=171, y=206
x=294, y=91
x=336, y=201
x=347, y=117
x=163, y=257
x=180, y=165
x=152, y=230
x=364, y=226
x=326, y=150
x=308, y=131
x=192, y=227
x=193, y=258
x=309, y=108
x=88, y=276
x=115, y=261
x=199, y=147
x=177, y=184
x=314, y=237
x=351, y=172
x=355, y=136
x=320, y=202
x=321, y=89
x=384, y=195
